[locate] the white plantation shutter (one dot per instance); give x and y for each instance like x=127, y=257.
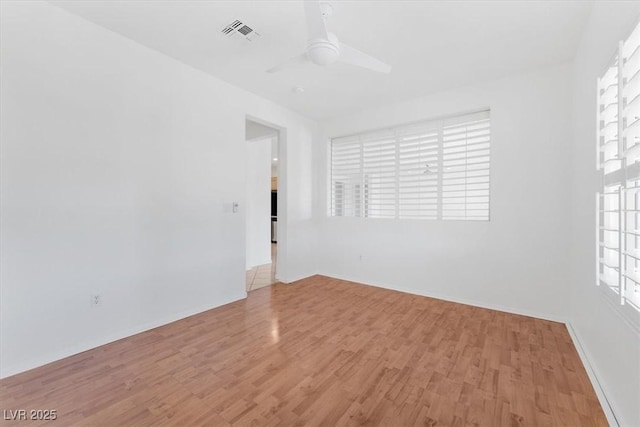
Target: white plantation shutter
x=418, y=167
x=610, y=162
x=465, y=161
x=630, y=125
x=346, y=170
x=619, y=163
x=379, y=175
x=436, y=169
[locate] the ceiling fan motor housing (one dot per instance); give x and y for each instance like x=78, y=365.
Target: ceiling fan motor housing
x=324, y=51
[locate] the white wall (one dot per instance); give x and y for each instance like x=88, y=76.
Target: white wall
x=119, y=168
x=611, y=345
x=516, y=262
x=258, y=204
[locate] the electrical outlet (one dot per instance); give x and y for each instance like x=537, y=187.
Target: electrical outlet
x=96, y=300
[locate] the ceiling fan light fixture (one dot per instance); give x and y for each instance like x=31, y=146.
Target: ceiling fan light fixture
x=323, y=52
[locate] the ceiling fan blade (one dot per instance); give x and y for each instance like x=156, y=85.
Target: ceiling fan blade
x=315, y=22
x=353, y=56
x=296, y=60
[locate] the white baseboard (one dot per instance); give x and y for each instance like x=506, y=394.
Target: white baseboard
x=593, y=377
x=88, y=345
x=481, y=304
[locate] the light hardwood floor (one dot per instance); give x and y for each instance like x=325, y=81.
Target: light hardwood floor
x=323, y=352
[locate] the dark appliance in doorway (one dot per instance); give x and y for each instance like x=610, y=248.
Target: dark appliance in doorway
x=274, y=217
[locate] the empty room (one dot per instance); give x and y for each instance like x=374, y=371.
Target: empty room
x=310, y=213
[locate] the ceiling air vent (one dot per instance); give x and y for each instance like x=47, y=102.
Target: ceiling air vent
x=238, y=29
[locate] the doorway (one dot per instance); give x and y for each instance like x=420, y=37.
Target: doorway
x=261, y=204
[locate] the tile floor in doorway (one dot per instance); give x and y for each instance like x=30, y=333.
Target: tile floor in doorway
x=263, y=275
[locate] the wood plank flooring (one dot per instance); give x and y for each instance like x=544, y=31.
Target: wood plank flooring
x=322, y=352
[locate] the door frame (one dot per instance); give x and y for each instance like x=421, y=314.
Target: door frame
x=281, y=136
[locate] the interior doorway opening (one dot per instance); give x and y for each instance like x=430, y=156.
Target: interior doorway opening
x=262, y=204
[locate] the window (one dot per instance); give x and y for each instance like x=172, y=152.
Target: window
x=437, y=169
x=619, y=163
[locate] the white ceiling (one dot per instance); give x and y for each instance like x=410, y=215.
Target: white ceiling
x=432, y=45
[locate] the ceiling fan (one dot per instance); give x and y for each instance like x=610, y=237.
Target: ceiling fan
x=323, y=47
